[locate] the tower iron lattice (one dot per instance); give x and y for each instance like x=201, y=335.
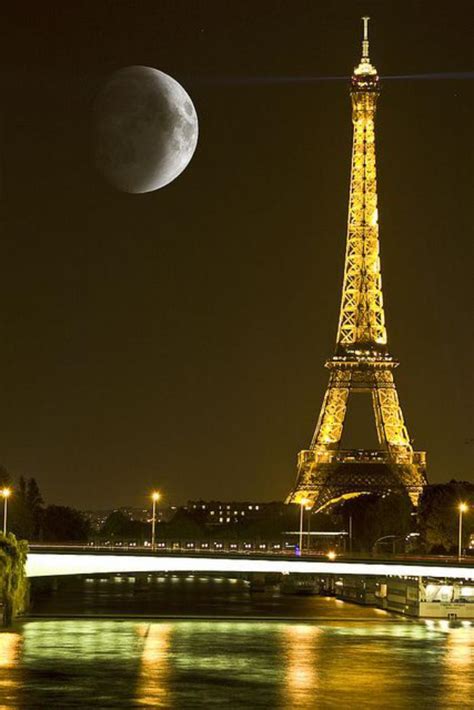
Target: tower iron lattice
x=327, y=473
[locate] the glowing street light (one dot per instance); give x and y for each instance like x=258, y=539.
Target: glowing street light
x=303, y=503
x=155, y=497
x=5, y=493
x=463, y=507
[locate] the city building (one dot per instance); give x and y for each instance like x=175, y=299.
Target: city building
x=216, y=512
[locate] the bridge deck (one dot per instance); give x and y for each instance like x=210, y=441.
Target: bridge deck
x=44, y=562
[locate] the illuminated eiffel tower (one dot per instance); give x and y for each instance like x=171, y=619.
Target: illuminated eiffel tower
x=326, y=472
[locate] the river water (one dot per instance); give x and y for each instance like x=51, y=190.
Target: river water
x=310, y=652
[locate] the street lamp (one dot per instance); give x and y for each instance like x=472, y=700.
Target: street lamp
x=155, y=497
x=303, y=503
x=462, y=509
x=308, y=509
x=5, y=493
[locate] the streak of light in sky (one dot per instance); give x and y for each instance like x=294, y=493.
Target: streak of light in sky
x=249, y=80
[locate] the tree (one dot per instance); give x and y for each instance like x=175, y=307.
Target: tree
x=13, y=582
x=375, y=516
x=438, y=514
x=121, y=526
x=278, y=518
x=63, y=524
x=116, y=525
x=21, y=522
x=35, y=506
x=26, y=509
x=183, y=526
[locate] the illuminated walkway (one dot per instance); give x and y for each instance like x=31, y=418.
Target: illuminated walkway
x=47, y=563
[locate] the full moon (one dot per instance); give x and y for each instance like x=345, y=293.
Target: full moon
x=146, y=129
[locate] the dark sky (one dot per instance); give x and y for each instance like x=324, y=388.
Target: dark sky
x=177, y=338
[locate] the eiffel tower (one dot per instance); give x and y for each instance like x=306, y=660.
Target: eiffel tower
x=327, y=473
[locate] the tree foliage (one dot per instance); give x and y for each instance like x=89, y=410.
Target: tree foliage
x=64, y=524
x=438, y=515
x=26, y=509
x=120, y=526
x=13, y=581
x=375, y=516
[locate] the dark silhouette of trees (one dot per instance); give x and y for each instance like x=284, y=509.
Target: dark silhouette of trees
x=35, y=507
x=375, y=516
x=183, y=526
x=26, y=509
x=119, y=526
x=438, y=515
x=30, y=520
x=64, y=524
x=21, y=518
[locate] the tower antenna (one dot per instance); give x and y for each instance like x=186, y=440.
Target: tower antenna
x=365, y=41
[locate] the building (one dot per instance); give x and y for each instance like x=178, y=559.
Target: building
x=216, y=512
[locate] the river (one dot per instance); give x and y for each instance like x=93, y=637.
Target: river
x=310, y=652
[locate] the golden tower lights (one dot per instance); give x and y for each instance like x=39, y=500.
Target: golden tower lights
x=361, y=363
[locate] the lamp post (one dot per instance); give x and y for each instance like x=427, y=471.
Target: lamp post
x=6, y=493
x=155, y=497
x=303, y=503
x=462, y=509
x=308, y=509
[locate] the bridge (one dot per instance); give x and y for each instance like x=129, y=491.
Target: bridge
x=61, y=561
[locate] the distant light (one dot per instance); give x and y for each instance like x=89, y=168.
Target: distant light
x=6, y=492
x=156, y=496
x=332, y=555
x=463, y=507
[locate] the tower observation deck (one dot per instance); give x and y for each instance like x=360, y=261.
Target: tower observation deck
x=326, y=473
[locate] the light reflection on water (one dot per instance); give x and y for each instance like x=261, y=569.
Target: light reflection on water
x=244, y=664
x=153, y=678
x=300, y=648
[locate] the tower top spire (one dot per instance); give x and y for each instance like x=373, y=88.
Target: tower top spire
x=365, y=41
x=365, y=67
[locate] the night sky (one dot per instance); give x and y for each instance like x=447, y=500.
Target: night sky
x=177, y=338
